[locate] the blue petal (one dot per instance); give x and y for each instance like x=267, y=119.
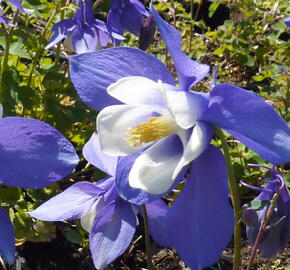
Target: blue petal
x=93, y=154
x=5, y=21
x=79, y=14
x=114, y=22
x=103, y=32
x=189, y=71
x=60, y=31
x=72, y=203
x=92, y=73
x=88, y=12
x=201, y=220
x=85, y=38
x=131, y=19
x=276, y=238
x=112, y=232
x=7, y=239
x=251, y=120
x=287, y=21
x=19, y=6
x=157, y=219
x=140, y=7
x=33, y=154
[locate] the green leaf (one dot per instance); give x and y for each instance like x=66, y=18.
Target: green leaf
x=219, y=51
x=10, y=82
x=9, y=195
x=287, y=179
x=257, y=204
x=280, y=26
x=26, y=95
x=245, y=59
x=212, y=8
x=35, y=4
x=16, y=48
x=258, y=78
x=74, y=237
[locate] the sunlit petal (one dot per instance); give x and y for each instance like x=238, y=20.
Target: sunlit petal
x=153, y=169
x=113, y=123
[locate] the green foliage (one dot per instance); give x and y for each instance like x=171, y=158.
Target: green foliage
x=257, y=204
x=247, y=49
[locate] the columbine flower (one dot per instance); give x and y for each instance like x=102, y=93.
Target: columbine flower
x=174, y=127
x=276, y=237
x=83, y=32
x=287, y=21
x=32, y=155
x=110, y=220
x=155, y=115
x=7, y=240
x=18, y=5
x=126, y=15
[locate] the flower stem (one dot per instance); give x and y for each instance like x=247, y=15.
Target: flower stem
x=39, y=48
x=263, y=229
x=147, y=239
x=234, y=189
x=4, y=64
x=191, y=27
x=62, y=13
x=193, y=19
x=2, y=264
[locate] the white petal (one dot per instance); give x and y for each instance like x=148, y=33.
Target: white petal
x=152, y=170
x=88, y=219
x=186, y=107
x=93, y=154
x=68, y=44
x=136, y=212
x=198, y=142
x=137, y=90
x=113, y=123
x=1, y=110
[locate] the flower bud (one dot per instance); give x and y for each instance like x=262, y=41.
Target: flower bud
x=250, y=217
x=147, y=33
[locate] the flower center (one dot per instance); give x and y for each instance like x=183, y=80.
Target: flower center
x=154, y=129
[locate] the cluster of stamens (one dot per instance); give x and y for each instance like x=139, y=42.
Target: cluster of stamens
x=154, y=129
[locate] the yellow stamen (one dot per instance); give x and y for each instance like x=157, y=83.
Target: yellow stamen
x=154, y=129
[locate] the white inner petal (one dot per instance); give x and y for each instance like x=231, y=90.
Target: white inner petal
x=137, y=90
x=185, y=107
x=135, y=211
x=197, y=143
x=68, y=44
x=1, y=108
x=113, y=124
x=152, y=170
x=88, y=219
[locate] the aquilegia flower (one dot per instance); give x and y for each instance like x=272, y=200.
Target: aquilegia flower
x=7, y=240
x=126, y=15
x=155, y=115
x=110, y=220
x=32, y=155
x=287, y=21
x=83, y=32
x=275, y=239
x=173, y=125
x=18, y=5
